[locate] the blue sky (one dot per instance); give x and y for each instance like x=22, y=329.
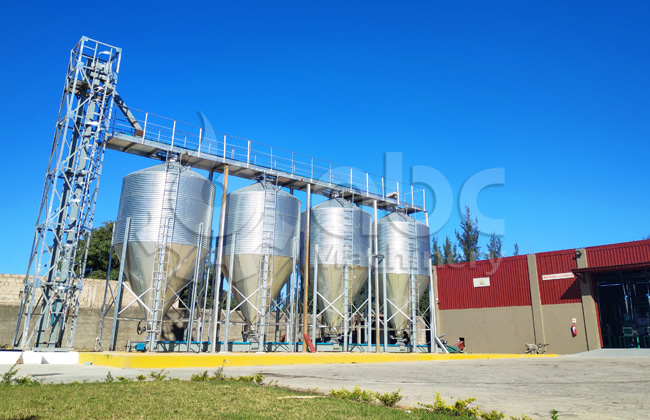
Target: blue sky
x=557, y=94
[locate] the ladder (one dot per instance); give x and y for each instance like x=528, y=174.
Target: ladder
x=266, y=261
x=348, y=247
x=161, y=261
x=413, y=283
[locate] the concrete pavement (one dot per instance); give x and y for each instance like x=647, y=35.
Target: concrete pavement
x=605, y=384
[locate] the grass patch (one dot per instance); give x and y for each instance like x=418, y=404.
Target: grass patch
x=198, y=399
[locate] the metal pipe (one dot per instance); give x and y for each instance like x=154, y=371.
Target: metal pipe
x=190, y=324
x=228, y=295
x=432, y=302
x=306, y=279
x=369, y=290
x=385, y=307
x=315, y=296
x=215, y=293
x=376, y=252
x=120, y=283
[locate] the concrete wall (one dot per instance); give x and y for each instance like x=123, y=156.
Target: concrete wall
x=488, y=330
x=557, y=328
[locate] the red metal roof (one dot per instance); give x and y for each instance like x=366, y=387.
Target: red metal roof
x=618, y=254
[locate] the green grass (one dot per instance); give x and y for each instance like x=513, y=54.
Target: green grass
x=181, y=399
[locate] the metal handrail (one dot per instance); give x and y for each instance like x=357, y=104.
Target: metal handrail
x=249, y=152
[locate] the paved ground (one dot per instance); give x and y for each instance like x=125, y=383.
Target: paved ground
x=605, y=384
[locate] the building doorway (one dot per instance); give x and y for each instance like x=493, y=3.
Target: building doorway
x=624, y=308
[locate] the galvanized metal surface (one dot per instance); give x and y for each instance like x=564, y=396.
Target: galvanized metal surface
x=404, y=244
x=266, y=221
x=557, y=290
x=509, y=284
x=330, y=230
x=245, y=215
x=342, y=232
x=400, y=238
x=142, y=201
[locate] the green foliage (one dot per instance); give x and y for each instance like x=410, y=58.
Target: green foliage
x=468, y=237
x=357, y=394
x=257, y=378
x=494, y=247
x=389, y=399
x=216, y=376
x=460, y=408
x=516, y=250
x=493, y=415
x=11, y=377
x=123, y=379
x=158, y=376
x=449, y=252
x=141, y=378
x=109, y=378
x=436, y=252
x=98, y=249
x=554, y=414
x=523, y=417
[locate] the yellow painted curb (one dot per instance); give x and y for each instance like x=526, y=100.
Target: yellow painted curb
x=183, y=360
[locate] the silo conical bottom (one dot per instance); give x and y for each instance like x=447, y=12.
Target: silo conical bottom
x=247, y=281
x=397, y=291
x=139, y=270
x=331, y=284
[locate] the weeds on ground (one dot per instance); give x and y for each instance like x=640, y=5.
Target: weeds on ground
x=11, y=377
x=389, y=399
x=554, y=414
x=461, y=408
x=257, y=378
x=204, y=377
x=141, y=378
x=158, y=376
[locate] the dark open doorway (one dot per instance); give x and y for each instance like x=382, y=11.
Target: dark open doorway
x=624, y=308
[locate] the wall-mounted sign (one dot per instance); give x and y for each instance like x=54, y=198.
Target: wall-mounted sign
x=558, y=276
x=481, y=282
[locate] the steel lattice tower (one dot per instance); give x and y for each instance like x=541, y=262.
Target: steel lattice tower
x=50, y=296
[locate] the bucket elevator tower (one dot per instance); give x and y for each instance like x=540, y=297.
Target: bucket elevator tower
x=49, y=304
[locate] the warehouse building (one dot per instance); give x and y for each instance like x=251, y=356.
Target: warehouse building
x=573, y=300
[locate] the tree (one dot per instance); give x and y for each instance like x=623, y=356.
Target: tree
x=449, y=252
x=516, y=249
x=100, y=245
x=468, y=237
x=436, y=253
x=494, y=247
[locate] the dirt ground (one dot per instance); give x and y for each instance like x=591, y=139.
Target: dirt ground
x=604, y=384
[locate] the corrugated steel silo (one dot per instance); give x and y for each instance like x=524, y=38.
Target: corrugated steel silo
x=404, y=243
x=342, y=232
x=166, y=193
x=266, y=221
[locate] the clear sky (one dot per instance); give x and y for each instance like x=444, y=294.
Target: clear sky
x=555, y=95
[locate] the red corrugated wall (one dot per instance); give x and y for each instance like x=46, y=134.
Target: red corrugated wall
x=508, y=284
x=561, y=290
x=618, y=254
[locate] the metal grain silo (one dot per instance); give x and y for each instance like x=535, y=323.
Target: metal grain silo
x=167, y=204
x=264, y=223
x=404, y=243
x=342, y=232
